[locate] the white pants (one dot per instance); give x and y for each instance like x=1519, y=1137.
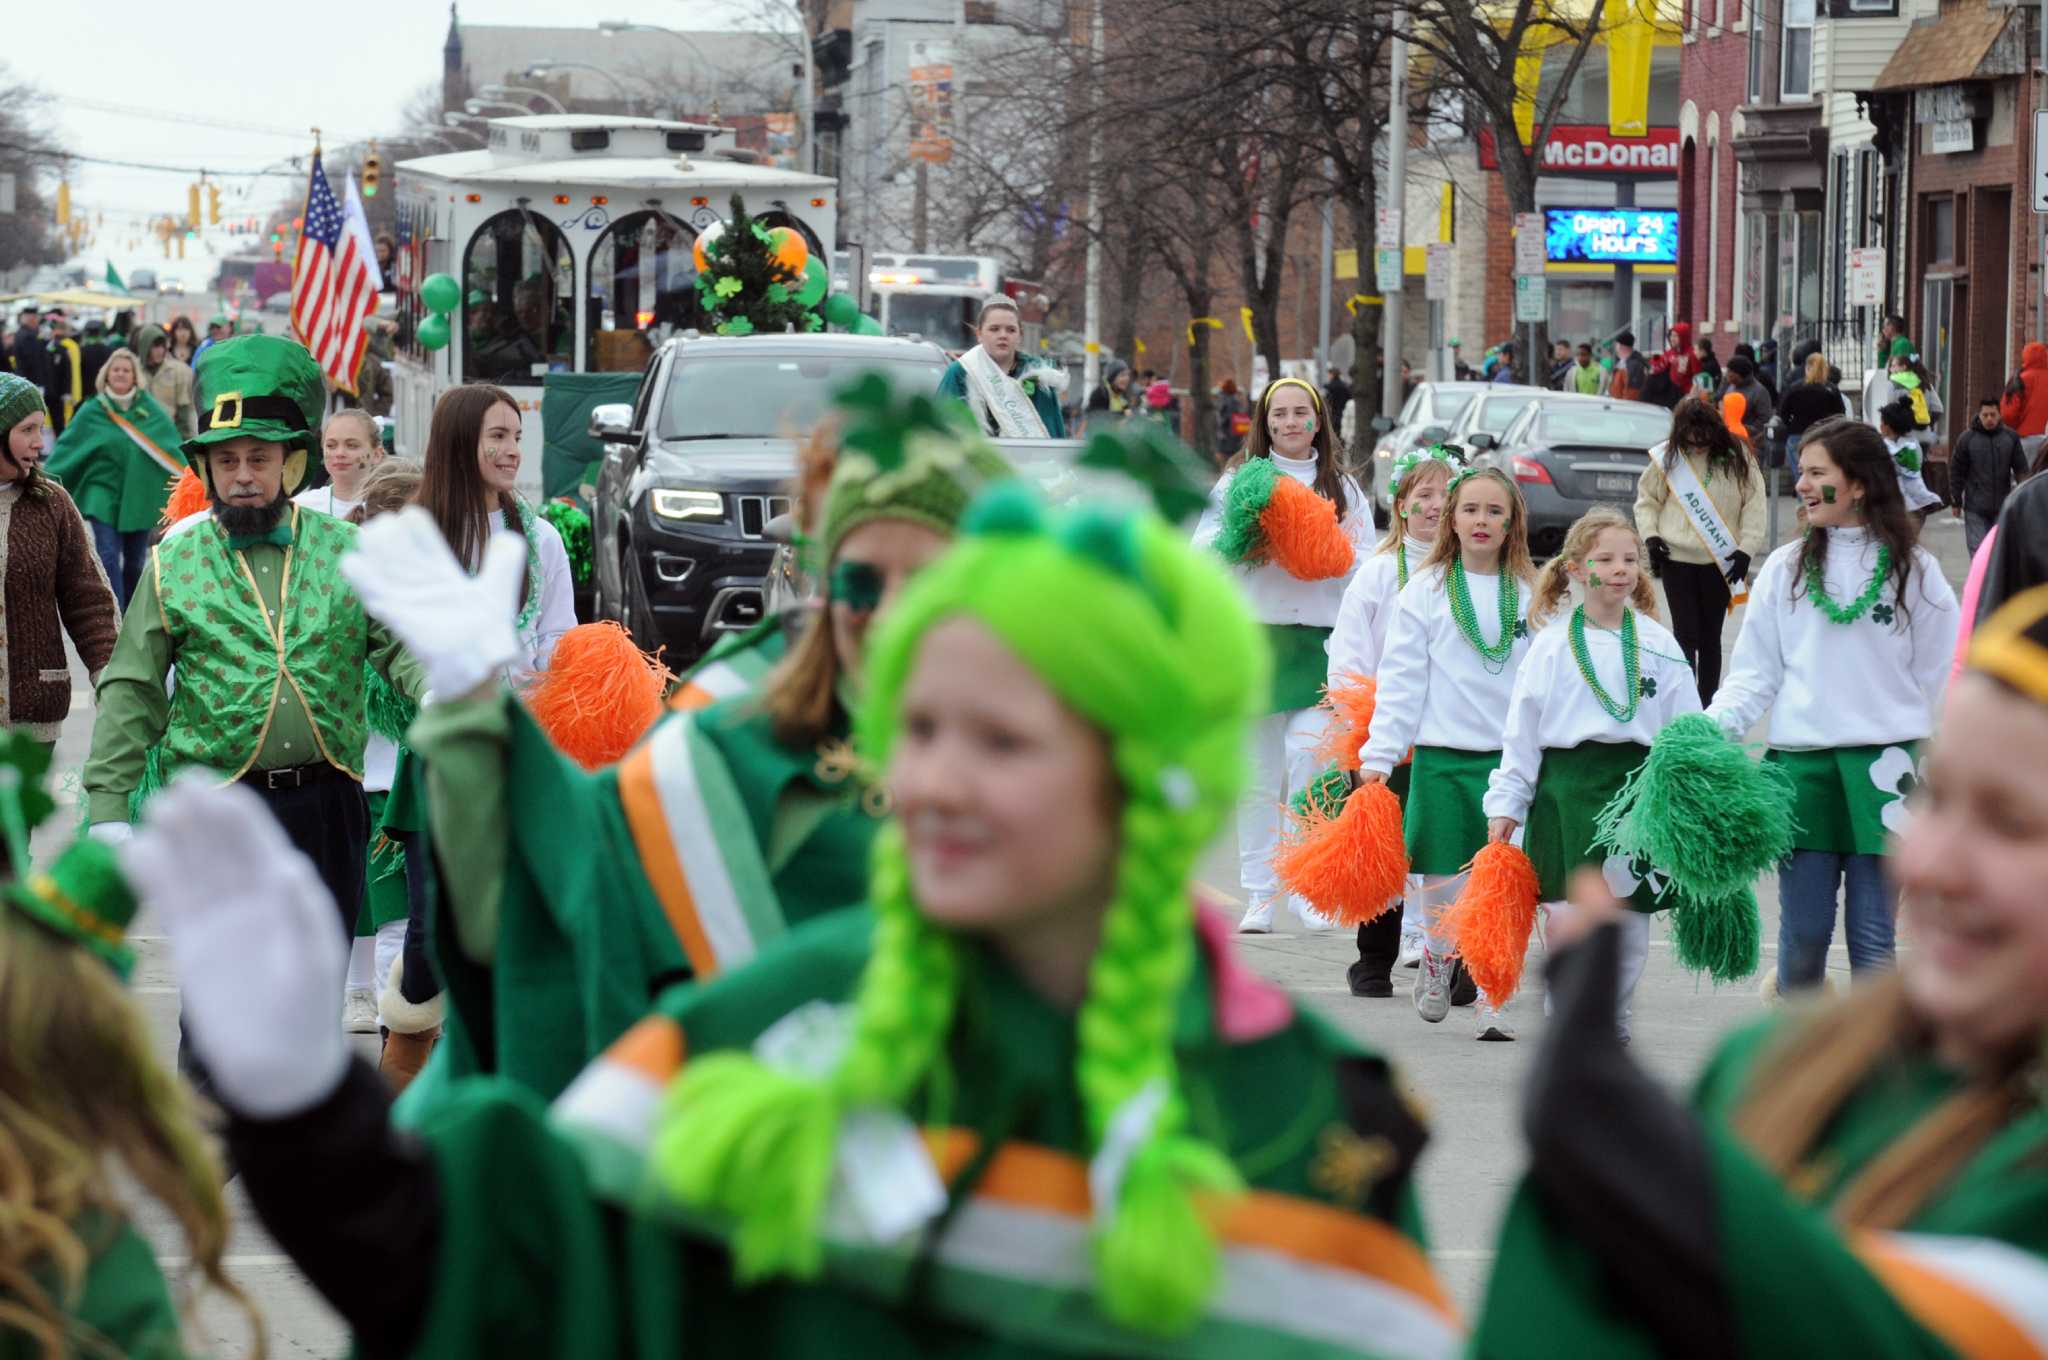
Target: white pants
x=361, y=965
x=1633, y=957
x=390, y=943
x=1282, y=761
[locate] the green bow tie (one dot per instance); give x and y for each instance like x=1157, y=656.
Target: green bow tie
x=279, y=535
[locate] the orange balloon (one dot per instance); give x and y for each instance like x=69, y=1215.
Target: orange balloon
x=705, y=238
x=790, y=250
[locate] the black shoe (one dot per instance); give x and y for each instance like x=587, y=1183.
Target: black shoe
x=1464, y=991
x=1373, y=985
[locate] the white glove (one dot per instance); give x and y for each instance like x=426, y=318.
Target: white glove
x=256, y=940
x=462, y=628
x=113, y=833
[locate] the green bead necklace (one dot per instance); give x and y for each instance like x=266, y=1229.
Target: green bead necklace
x=1401, y=565
x=1631, y=665
x=1817, y=589
x=1494, y=658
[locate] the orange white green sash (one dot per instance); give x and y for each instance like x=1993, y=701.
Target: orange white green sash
x=171, y=466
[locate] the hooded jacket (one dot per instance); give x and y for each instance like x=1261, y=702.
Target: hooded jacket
x=1983, y=468
x=170, y=382
x=2026, y=410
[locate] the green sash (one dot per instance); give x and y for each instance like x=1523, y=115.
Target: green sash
x=1301, y=663
x=1849, y=799
x=1444, y=820
x=1573, y=785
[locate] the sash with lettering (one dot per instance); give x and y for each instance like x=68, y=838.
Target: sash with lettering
x=996, y=395
x=1705, y=518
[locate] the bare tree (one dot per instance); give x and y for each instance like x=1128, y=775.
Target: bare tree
x=30, y=236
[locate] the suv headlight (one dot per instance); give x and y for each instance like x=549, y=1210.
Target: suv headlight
x=707, y=505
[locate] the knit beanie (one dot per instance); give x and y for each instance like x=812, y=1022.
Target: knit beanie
x=19, y=399
x=910, y=458
x=1147, y=639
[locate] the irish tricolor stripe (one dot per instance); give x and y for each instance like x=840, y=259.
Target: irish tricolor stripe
x=1983, y=1298
x=171, y=466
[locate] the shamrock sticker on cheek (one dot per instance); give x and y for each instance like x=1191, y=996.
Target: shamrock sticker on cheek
x=1827, y=495
x=857, y=585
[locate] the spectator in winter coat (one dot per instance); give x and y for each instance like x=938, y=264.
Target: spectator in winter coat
x=1985, y=465
x=167, y=380
x=1560, y=366
x=1680, y=357
x=2025, y=405
x=92, y=354
x=1709, y=374
x=30, y=356
x=1631, y=373
x=1661, y=390
x=1807, y=402
x=1757, y=405
x=1233, y=419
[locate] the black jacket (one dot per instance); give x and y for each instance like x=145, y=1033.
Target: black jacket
x=32, y=357
x=1984, y=468
x=2019, y=555
x=1807, y=403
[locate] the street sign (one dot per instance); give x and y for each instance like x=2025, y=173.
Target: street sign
x=1529, y=243
x=1387, y=270
x=2041, y=160
x=1389, y=232
x=1436, y=277
x=1866, y=276
x=1532, y=298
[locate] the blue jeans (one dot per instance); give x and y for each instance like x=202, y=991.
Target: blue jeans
x=123, y=555
x=1807, y=883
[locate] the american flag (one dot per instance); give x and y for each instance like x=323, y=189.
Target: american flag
x=334, y=280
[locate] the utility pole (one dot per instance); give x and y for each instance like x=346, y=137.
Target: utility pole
x=921, y=207
x=1323, y=293
x=1397, y=195
x=1091, y=317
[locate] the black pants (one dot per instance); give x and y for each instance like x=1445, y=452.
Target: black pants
x=1699, y=607
x=329, y=823
x=1379, y=945
x=418, y=983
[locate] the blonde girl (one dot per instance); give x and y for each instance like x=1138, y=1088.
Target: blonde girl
x=1597, y=686
x=351, y=448
x=1458, y=637
x=1289, y=427
x=1356, y=643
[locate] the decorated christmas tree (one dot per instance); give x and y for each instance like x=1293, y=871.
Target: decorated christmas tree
x=748, y=276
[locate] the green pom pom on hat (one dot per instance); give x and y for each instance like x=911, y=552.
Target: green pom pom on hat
x=19, y=399
x=85, y=897
x=903, y=456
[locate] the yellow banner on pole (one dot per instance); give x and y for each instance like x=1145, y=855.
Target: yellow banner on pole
x=1245, y=314
x=1212, y=322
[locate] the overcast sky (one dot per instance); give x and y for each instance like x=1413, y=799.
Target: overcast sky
x=120, y=72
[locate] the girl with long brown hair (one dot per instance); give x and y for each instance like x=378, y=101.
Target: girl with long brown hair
x=1459, y=634
x=1867, y=1178
x=1590, y=697
x=1297, y=600
x=1847, y=644
x=472, y=466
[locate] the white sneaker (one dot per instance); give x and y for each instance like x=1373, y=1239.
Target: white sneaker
x=1493, y=1025
x=1311, y=919
x=1411, y=950
x=1258, y=919
x=359, y=1012
x=1433, y=988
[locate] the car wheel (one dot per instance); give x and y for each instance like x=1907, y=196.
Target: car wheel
x=634, y=611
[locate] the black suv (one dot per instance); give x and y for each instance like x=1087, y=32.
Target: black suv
x=702, y=460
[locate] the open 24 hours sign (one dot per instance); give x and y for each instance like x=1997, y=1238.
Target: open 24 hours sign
x=1610, y=236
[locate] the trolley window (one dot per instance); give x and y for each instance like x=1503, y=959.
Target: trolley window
x=518, y=280
x=643, y=289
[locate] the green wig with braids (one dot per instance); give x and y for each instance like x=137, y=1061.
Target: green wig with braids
x=1149, y=641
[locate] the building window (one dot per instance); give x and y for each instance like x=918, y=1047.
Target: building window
x=1796, y=80
x=1713, y=231
x=1843, y=235
x=643, y=286
x=1941, y=229
x=519, y=283
x=1863, y=9
x=1756, y=58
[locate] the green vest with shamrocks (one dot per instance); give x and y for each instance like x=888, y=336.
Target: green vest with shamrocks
x=232, y=661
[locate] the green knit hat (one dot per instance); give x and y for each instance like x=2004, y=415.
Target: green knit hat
x=19, y=399
x=903, y=457
x=266, y=387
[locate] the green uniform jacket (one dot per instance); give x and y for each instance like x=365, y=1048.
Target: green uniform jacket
x=553, y=1233
x=125, y=1306
x=1951, y=1282
x=735, y=665
x=953, y=383
x=119, y=465
x=580, y=896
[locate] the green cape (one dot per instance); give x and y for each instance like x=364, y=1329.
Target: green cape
x=111, y=478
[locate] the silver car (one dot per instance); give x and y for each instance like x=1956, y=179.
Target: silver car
x=1425, y=418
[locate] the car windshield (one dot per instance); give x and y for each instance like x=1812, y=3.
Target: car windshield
x=1576, y=425
x=772, y=396
x=1493, y=417
x=943, y=318
x=1450, y=405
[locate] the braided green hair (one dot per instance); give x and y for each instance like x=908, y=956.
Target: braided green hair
x=1149, y=641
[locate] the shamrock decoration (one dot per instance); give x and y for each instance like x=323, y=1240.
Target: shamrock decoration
x=24, y=801
x=728, y=287
x=881, y=425
x=1881, y=613
x=1649, y=684
x=739, y=325
x=1147, y=453
x=1625, y=874
x=1521, y=628
x=744, y=287
x=1896, y=774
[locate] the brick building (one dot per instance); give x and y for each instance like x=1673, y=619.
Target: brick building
x=1712, y=85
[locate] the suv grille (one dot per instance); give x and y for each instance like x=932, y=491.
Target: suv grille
x=756, y=511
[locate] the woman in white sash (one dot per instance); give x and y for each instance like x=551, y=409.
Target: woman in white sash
x=1012, y=395
x=1700, y=508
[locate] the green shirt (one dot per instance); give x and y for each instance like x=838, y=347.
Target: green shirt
x=124, y=1304
x=135, y=706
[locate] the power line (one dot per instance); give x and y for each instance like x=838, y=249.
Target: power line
x=54, y=154
x=163, y=116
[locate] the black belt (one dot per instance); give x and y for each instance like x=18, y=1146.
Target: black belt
x=295, y=777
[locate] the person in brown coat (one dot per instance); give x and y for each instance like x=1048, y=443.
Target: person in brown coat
x=51, y=577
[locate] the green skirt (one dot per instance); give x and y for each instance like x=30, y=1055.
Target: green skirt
x=384, y=875
x=1444, y=820
x=1575, y=783
x=1301, y=665
x=1848, y=800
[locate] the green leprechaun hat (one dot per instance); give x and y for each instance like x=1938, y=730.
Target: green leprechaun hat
x=83, y=896
x=265, y=387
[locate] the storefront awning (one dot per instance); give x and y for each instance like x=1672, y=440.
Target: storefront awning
x=1965, y=44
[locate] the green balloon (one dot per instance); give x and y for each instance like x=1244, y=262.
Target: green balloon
x=433, y=332
x=840, y=309
x=441, y=293
x=817, y=282
x=867, y=325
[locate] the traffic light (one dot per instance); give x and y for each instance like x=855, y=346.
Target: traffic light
x=373, y=172
x=192, y=204
x=277, y=243
x=213, y=205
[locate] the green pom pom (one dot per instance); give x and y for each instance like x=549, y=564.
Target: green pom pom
x=1009, y=507
x=1326, y=792
x=1105, y=536
x=152, y=779
x=574, y=526
x=1241, y=538
x=1699, y=808
x=1721, y=938
x=388, y=712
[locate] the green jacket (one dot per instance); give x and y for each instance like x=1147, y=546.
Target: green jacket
x=124, y=1306
x=119, y=465
x=953, y=383
x=553, y=1233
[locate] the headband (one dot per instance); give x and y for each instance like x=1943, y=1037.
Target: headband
x=2005, y=647
x=1450, y=456
x=1307, y=387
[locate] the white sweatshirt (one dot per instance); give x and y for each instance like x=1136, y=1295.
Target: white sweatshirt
x=557, y=612
x=1274, y=595
x=1433, y=688
x=1913, y=485
x=1553, y=708
x=1873, y=682
x=1360, y=637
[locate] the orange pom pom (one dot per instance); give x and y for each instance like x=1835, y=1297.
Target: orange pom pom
x=1491, y=920
x=599, y=695
x=1302, y=533
x=1350, y=867
x=1351, y=701
x=188, y=497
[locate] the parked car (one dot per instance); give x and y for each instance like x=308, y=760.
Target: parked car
x=142, y=280
x=1569, y=453
x=1425, y=418
x=170, y=284
x=1491, y=412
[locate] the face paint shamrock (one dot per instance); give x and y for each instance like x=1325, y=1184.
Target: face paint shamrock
x=1896, y=775
x=1593, y=579
x=1827, y=495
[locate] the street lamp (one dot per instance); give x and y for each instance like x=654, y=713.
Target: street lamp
x=477, y=106
x=542, y=68
x=509, y=91
x=804, y=112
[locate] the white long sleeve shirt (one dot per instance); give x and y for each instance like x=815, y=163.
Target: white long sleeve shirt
x=1433, y=688
x=1274, y=595
x=1360, y=634
x=557, y=612
x=1873, y=682
x=1553, y=708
